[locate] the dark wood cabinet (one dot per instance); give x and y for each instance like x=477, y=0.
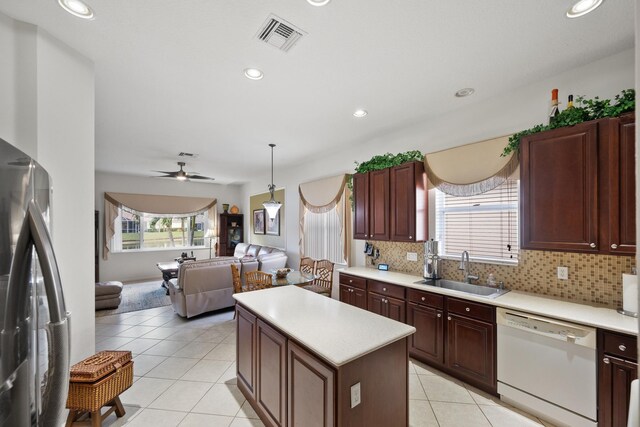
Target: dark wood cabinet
x=578, y=188
x=391, y=204
x=353, y=296
x=471, y=349
x=617, y=367
x=246, y=349
x=230, y=233
x=559, y=189
x=408, y=203
x=379, y=205
x=392, y=308
x=428, y=340
x=621, y=236
x=311, y=390
x=361, y=206
x=271, y=368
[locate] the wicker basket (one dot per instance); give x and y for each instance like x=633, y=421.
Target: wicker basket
x=91, y=396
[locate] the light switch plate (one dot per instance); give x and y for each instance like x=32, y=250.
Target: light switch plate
x=412, y=256
x=563, y=273
x=355, y=395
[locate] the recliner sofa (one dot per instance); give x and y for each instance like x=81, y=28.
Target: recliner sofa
x=207, y=285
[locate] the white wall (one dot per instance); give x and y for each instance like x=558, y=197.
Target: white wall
x=47, y=110
x=138, y=266
x=504, y=114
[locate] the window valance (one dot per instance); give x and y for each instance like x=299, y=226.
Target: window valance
x=159, y=204
x=471, y=169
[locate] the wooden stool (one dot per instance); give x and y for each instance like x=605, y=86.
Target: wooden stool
x=97, y=382
x=95, y=418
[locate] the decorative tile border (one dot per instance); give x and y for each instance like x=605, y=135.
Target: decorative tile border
x=593, y=279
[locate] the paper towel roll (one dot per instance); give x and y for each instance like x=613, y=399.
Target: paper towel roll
x=630, y=293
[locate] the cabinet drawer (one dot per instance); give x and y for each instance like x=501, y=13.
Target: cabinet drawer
x=425, y=298
x=621, y=345
x=471, y=309
x=386, y=289
x=356, y=282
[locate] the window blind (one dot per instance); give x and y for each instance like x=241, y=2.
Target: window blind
x=322, y=236
x=486, y=225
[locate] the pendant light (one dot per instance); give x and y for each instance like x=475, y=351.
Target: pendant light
x=272, y=205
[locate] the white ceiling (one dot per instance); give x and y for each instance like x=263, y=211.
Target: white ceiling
x=169, y=73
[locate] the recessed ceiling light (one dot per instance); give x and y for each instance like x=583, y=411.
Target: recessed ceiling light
x=77, y=8
x=582, y=7
x=253, y=73
x=465, y=92
x=360, y=113
x=318, y=2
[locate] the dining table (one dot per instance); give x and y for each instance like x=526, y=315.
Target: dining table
x=294, y=277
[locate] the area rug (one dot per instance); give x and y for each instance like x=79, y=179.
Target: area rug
x=139, y=296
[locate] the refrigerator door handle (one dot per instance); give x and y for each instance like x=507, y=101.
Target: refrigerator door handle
x=57, y=385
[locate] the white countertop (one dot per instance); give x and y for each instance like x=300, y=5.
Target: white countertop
x=599, y=317
x=337, y=332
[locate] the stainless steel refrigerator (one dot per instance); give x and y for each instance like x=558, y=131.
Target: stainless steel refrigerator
x=34, y=324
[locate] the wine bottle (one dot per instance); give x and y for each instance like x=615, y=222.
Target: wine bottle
x=554, y=106
x=570, y=102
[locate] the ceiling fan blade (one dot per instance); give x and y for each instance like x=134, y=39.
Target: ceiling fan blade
x=167, y=173
x=200, y=177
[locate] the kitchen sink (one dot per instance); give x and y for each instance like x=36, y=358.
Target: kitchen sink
x=467, y=288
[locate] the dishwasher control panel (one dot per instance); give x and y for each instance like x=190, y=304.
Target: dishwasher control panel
x=552, y=328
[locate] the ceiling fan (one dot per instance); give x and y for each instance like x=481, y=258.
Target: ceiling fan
x=181, y=175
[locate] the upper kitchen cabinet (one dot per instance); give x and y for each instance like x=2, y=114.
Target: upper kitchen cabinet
x=578, y=188
x=559, y=183
x=621, y=237
x=408, y=202
x=391, y=204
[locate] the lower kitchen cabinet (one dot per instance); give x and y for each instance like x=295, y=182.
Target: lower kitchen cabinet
x=353, y=296
x=471, y=349
x=271, y=361
x=311, y=385
x=390, y=307
x=246, y=349
x=428, y=341
x=617, y=367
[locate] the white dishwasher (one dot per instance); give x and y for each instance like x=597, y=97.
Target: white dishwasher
x=547, y=367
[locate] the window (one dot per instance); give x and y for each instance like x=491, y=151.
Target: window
x=486, y=225
x=140, y=231
x=322, y=236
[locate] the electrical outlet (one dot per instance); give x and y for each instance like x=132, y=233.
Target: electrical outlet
x=412, y=256
x=355, y=395
x=563, y=273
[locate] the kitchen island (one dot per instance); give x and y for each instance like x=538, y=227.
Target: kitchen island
x=307, y=360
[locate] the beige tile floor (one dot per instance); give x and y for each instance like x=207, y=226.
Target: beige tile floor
x=184, y=375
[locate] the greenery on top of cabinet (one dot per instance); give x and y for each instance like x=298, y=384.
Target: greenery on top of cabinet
x=585, y=110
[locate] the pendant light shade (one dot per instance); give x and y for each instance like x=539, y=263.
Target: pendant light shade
x=272, y=205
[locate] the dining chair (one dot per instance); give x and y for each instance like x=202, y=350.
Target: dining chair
x=307, y=265
x=237, y=283
x=256, y=280
x=323, y=283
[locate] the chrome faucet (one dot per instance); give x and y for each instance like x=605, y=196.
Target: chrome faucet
x=464, y=266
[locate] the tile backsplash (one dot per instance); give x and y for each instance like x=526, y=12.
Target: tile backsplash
x=593, y=279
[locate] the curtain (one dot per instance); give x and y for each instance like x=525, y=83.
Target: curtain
x=471, y=169
x=322, y=196
x=153, y=204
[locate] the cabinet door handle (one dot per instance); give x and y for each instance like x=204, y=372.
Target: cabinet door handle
x=614, y=246
x=606, y=360
x=365, y=235
x=410, y=237
x=384, y=289
x=467, y=309
x=448, y=317
x=593, y=245
x=423, y=298
x=439, y=315
x=350, y=281
x=622, y=347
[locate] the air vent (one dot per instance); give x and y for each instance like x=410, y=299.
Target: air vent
x=188, y=155
x=279, y=33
